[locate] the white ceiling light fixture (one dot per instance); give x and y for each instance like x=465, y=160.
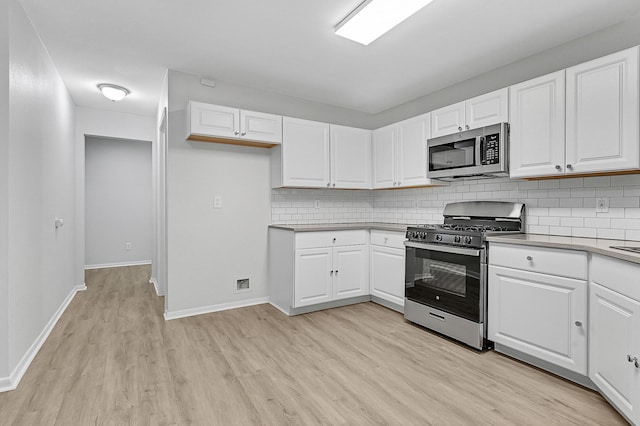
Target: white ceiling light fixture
x=375, y=17
x=113, y=92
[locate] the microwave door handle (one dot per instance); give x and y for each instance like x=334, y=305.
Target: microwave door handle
x=479, y=150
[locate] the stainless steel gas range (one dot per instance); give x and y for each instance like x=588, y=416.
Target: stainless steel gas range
x=446, y=268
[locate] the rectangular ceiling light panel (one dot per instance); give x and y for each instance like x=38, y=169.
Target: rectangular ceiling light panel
x=375, y=17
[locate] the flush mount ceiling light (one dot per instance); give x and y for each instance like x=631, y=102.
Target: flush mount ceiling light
x=375, y=17
x=113, y=92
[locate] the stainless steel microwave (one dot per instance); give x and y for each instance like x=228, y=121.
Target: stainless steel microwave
x=477, y=152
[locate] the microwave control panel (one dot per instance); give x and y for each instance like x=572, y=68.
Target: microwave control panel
x=491, y=149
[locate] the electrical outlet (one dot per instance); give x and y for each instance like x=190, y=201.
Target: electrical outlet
x=316, y=204
x=217, y=202
x=602, y=205
x=127, y=246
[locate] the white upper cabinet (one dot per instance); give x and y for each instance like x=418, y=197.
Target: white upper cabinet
x=322, y=155
x=602, y=114
x=305, y=153
x=215, y=123
x=350, y=157
x=384, y=153
x=483, y=110
x=412, y=151
x=537, y=126
x=400, y=154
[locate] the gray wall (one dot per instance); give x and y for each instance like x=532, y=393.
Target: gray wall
x=41, y=189
x=117, y=202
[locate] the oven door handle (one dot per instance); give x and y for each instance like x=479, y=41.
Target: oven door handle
x=444, y=249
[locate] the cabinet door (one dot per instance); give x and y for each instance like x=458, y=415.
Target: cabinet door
x=214, y=120
x=258, y=126
x=544, y=316
x=614, y=333
x=537, y=129
x=350, y=271
x=412, y=151
x=387, y=273
x=447, y=120
x=350, y=157
x=313, y=276
x=602, y=114
x=305, y=153
x=487, y=109
x=384, y=155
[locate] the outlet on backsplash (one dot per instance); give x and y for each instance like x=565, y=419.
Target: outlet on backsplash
x=602, y=205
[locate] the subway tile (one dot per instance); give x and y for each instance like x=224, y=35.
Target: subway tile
x=624, y=202
x=613, y=212
x=560, y=212
x=571, y=202
x=597, y=181
x=583, y=212
x=559, y=193
x=583, y=192
x=611, y=234
x=470, y=196
x=572, y=183
x=549, y=184
x=534, y=220
x=528, y=185
x=509, y=186
x=537, y=211
x=630, y=191
x=625, y=223
x=632, y=235
x=584, y=232
x=632, y=213
x=549, y=202
x=549, y=221
x=600, y=222
x=537, y=229
x=572, y=221
x=624, y=180
x=559, y=230
x=613, y=192
x=492, y=187
x=537, y=193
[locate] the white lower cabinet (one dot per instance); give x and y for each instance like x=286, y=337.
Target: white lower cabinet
x=386, y=266
x=331, y=268
x=614, y=333
x=538, y=313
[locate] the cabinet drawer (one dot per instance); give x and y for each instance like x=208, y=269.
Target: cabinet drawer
x=618, y=275
x=330, y=238
x=564, y=263
x=388, y=239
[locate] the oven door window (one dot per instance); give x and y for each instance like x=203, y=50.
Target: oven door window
x=452, y=155
x=447, y=281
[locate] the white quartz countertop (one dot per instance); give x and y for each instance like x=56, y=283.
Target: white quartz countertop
x=399, y=227
x=592, y=245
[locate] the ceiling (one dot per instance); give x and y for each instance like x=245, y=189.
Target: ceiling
x=288, y=46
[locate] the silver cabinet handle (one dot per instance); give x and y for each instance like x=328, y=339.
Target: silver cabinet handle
x=558, y=167
x=529, y=258
x=328, y=184
x=399, y=182
x=569, y=166
x=331, y=273
x=459, y=128
x=237, y=132
x=578, y=323
x=634, y=360
x=334, y=185
x=334, y=240
x=336, y=272
x=466, y=127
x=244, y=133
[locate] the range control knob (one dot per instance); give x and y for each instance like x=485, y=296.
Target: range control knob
x=438, y=237
x=456, y=239
x=467, y=239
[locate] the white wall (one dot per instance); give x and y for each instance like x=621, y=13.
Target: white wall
x=95, y=122
x=4, y=190
x=117, y=202
x=41, y=189
x=159, y=264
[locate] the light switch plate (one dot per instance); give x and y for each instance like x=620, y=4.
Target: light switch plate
x=217, y=202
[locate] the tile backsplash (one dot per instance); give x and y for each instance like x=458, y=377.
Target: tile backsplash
x=553, y=207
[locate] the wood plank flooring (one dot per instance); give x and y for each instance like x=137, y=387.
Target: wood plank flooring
x=113, y=360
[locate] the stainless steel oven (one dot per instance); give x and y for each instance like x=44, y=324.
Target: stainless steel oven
x=446, y=268
x=445, y=290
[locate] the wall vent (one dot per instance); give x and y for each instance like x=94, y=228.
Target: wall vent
x=242, y=285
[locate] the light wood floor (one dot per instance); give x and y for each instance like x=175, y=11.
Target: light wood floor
x=113, y=360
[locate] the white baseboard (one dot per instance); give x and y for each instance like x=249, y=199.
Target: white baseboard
x=154, y=281
x=10, y=383
x=214, y=308
x=279, y=308
x=117, y=265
